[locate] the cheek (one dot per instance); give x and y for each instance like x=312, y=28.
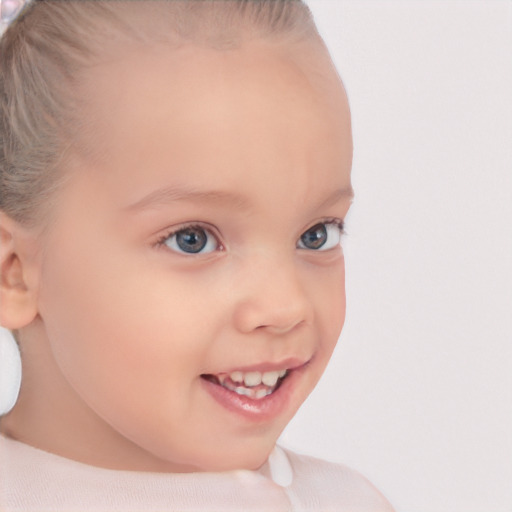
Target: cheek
x=330, y=300
x=330, y=297
x=340, y=299
x=116, y=323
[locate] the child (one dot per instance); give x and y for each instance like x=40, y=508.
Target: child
x=174, y=179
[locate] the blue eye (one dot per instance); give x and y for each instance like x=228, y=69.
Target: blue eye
x=322, y=236
x=191, y=240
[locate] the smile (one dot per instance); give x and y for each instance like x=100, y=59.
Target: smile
x=255, y=385
x=259, y=393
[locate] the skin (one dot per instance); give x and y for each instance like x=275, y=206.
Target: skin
x=115, y=327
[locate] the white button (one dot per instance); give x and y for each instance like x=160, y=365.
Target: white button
x=280, y=467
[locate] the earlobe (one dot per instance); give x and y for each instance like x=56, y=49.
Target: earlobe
x=18, y=286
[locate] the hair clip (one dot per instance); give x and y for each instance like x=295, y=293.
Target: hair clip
x=9, y=11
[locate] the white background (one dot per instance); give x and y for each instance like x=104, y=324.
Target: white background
x=418, y=396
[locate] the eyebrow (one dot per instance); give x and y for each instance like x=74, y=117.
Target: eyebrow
x=338, y=195
x=172, y=194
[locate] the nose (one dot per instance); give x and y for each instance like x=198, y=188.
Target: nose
x=272, y=297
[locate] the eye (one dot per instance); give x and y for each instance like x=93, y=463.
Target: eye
x=191, y=240
x=322, y=236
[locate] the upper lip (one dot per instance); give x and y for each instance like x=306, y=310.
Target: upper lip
x=291, y=363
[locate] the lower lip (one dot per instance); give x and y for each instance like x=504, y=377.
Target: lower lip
x=264, y=409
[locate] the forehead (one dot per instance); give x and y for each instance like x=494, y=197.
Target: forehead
x=167, y=113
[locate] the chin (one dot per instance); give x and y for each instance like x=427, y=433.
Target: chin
x=251, y=456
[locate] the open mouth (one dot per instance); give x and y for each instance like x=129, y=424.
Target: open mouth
x=254, y=385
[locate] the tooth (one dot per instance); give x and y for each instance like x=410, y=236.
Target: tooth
x=229, y=385
x=270, y=378
x=237, y=376
x=252, y=379
x=282, y=373
x=243, y=391
x=262, y=393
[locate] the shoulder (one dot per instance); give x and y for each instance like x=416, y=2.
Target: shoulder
x=333, y=486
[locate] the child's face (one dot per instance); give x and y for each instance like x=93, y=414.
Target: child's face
x=187, y=253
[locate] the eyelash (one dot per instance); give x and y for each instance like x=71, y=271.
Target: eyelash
x=161, y=242
x=327, y=223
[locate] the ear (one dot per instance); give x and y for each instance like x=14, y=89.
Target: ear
x=19, y=274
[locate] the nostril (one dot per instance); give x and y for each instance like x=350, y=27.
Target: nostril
x=281, y=328
x=263, y=316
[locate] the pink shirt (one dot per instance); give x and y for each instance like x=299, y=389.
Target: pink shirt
x=32, y=480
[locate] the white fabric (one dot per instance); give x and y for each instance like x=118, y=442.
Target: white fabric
x=32, y=480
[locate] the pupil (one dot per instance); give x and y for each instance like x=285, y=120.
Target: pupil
x=191, y=240
x=315, y=237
